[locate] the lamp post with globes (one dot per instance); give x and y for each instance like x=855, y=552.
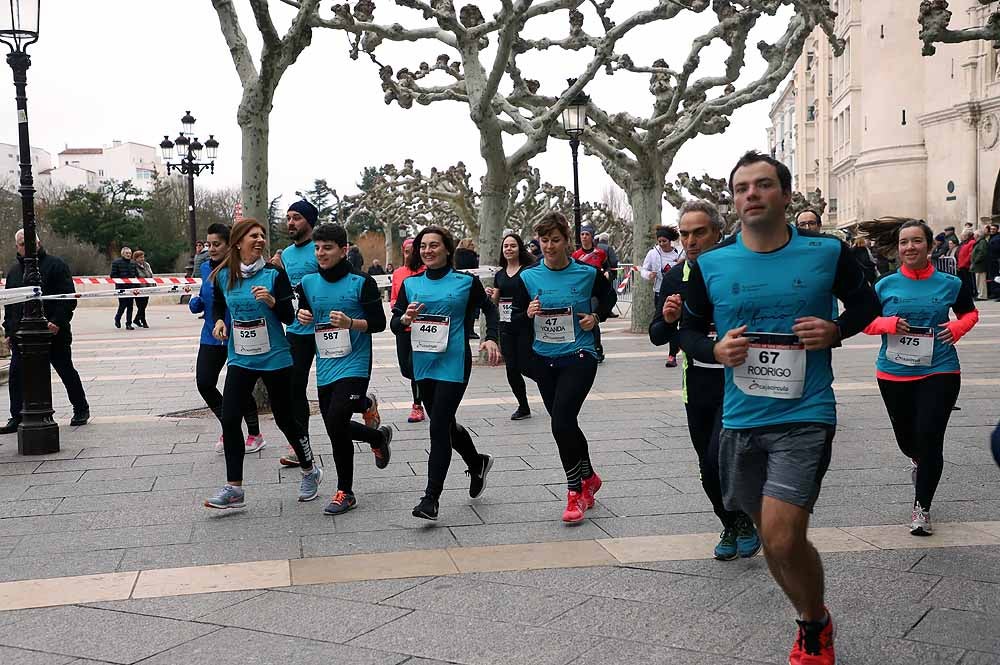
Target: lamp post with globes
x=574, y=120
x=189, y=163
x=38, y=433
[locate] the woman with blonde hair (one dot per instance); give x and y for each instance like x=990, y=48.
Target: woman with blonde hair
x=258, y=296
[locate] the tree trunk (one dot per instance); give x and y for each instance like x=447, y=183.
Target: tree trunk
x=393, y=246
x=492, y=217
x=253, y=118
x=646, y=199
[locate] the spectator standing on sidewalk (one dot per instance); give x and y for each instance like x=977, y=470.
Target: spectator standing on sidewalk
x=123, y=267
x=56, y=278
x=145, y=270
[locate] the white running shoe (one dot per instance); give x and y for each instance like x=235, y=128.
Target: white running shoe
x=920, y=523
x=255, y=442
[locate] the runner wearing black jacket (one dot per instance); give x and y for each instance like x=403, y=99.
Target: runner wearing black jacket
x=700, y=228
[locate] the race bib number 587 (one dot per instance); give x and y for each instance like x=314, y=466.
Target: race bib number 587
x=775, y=366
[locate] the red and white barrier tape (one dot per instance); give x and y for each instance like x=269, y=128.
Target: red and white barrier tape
x=13, y=296
x=136, y=280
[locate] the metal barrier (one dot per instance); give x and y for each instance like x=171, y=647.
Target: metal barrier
x=623, y=279
x=946, y=264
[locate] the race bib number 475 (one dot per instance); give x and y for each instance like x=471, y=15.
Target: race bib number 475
x=775, y=366
x=915, y=348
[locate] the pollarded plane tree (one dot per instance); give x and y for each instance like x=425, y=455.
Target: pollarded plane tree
x=687, y=101
x=259, y=79
x=935, y=19
x=475, y=71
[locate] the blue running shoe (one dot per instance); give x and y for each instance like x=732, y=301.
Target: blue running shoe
x=228, y=497
x=309, y=487
x=747, y=541
x=726, y=549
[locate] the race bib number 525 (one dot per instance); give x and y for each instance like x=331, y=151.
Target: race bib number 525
x=775, y=366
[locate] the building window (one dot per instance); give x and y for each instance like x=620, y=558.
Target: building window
x=811, y=113
x=100, y=172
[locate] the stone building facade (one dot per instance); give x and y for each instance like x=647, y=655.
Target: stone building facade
x=882, y=130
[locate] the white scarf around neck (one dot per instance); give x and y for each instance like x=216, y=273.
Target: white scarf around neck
x=252, y=269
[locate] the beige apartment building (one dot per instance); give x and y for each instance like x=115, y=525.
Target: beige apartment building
x=882, y=130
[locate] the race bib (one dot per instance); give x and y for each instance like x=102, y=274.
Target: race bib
x=697, y=363
x=332, y=342
x=913, y=349
x=250, y=338
x=555, y=326
x=506, y=307
x=429, y=333
x=775, y=366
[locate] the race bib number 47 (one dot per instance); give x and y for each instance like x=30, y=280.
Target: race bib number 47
x=555, y=326
x=775, y=366
x=915, y=348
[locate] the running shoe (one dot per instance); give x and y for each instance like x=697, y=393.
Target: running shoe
x=228, y=497
x=309, y=486
x=726, y=549
x=575, y=508
x=255, y=442
x=521, y=414
x=427, y=509
x=591, y=486
x=814, y=643
x=341, y=503
x=477, y=479
x=671, y=361
x=416, y=414
x=220, y=447
x=920, y=521
x=382, y=452
x=913, y=472
x=747, y=539
x=290, y=458
x=371, y=415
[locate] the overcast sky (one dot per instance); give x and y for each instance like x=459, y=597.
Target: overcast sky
x=128, y=69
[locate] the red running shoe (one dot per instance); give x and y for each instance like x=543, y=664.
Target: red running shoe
x=814, y=643
x=590, y=487
x=416, y=414
x=575, y=507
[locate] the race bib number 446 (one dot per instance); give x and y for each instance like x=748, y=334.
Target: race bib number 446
x=429, y=333
x=555, y=326
x=775, y=366
x=915, y=348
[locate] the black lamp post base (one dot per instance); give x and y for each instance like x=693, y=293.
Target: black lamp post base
x=38, y=438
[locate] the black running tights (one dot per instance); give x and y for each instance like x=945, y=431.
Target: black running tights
x=239, y=385
x=441, y=400
x=919, y=411
x=516, y=350
x=338, y=402
x=303, y=348
x=564, y=385
x=211, y=360
x=704, y=425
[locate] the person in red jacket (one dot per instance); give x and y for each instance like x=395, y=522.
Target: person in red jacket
x=964, y=260
x=403, y=349
x=593, y=255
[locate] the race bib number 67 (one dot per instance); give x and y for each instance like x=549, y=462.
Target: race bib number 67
x=775, y=366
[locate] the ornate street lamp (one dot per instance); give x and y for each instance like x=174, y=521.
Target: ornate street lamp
x=38, y=433
x=189, y=155
x=574, y=121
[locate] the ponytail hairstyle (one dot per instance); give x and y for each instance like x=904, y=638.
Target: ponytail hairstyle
x=232, y=259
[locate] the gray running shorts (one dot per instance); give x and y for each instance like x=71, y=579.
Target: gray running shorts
x=786, y=462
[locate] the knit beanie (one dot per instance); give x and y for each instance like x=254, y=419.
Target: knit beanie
x=305, y=209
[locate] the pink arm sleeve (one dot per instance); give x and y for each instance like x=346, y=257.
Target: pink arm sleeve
x=963, y=324
x=882, y=325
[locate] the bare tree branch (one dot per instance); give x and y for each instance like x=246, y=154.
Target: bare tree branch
x=935, y=17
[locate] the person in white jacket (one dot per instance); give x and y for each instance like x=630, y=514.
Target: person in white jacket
x=658, y=260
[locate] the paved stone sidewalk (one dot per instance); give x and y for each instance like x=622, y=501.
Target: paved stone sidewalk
x=123, y=493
